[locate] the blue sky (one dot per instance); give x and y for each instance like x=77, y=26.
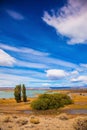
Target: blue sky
x=43, y=43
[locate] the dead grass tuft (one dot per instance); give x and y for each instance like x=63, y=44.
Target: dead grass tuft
x=80, y=123
x=34, y=120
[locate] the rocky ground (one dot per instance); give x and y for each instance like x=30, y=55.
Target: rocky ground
x=22, y=122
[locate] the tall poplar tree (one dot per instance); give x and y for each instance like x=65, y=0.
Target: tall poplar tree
x=17, y=93
x=24, y=93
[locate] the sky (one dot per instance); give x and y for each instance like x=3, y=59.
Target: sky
x=43, y=43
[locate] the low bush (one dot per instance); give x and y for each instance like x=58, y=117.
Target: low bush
x=51, y=101
x=80, y=123
x=6, y=119
x=63, y=116
x=22, y=121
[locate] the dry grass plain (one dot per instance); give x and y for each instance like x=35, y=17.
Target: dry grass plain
x=12, y=116
x=80, y=101
x=10, y=105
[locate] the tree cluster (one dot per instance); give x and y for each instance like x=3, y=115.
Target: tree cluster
x=20, y=93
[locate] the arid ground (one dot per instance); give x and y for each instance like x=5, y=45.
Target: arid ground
x=23, y=122
x=16, y=116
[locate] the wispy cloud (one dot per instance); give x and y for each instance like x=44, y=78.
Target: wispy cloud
x=37, y=58
x=10, y=80
x=6, y=59
x=70, y=21
x=46, y=85
x=23, y=72
x=83, y=65
x=23, y=50
x=31, y=64
x=15, y=15
x=45, y=69
x=49, y=61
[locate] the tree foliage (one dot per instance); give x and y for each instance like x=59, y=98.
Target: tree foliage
x=17, y=93
x=51, y=101
x=24, y=93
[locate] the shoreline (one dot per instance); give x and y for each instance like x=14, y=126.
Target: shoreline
x=80, y=103
x=25, y=108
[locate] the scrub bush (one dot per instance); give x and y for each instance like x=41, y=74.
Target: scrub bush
x=80, y=123
x=51, y=101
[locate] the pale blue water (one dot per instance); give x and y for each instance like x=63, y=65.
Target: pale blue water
x=30, y=93
x=77, y=111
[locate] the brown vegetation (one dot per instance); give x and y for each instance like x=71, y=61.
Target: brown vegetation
x=80, y=123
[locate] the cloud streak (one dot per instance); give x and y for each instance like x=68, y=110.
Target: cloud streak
x=15, y=15
x=31, y=64
x=6, y=59
x=10, y=80
x=70, y=21
x=34, y=58
x=23, y=50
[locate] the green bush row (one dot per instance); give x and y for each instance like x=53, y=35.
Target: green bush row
x=51, y=101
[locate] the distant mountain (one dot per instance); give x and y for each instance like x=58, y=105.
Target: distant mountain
x=77, y=87
x=60, y=87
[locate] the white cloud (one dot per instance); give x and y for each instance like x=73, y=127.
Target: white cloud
x=6, y=59
x=15, y=15
x=70, y=21
x=80, y=79
x=83, y=65
x=23, y=50
x=46, y=85
x=75, y=72
x=56, y=74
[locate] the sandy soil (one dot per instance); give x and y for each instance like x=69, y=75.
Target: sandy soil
x=13, y=118
x=15, y=122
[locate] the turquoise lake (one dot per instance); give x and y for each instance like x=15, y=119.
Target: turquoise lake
x=30, y=93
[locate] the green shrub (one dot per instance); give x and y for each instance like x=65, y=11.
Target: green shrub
x=40, y=104
x=51, y=101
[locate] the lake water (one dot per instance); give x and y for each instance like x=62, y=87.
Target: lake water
x=30, y=93
x=77, y=111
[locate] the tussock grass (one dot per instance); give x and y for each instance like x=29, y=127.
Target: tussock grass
x=80, y=123
x=34, y=120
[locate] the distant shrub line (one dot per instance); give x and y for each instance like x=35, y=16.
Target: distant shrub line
x=51, y=101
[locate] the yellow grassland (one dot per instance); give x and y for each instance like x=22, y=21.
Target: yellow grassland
x=10, y=105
